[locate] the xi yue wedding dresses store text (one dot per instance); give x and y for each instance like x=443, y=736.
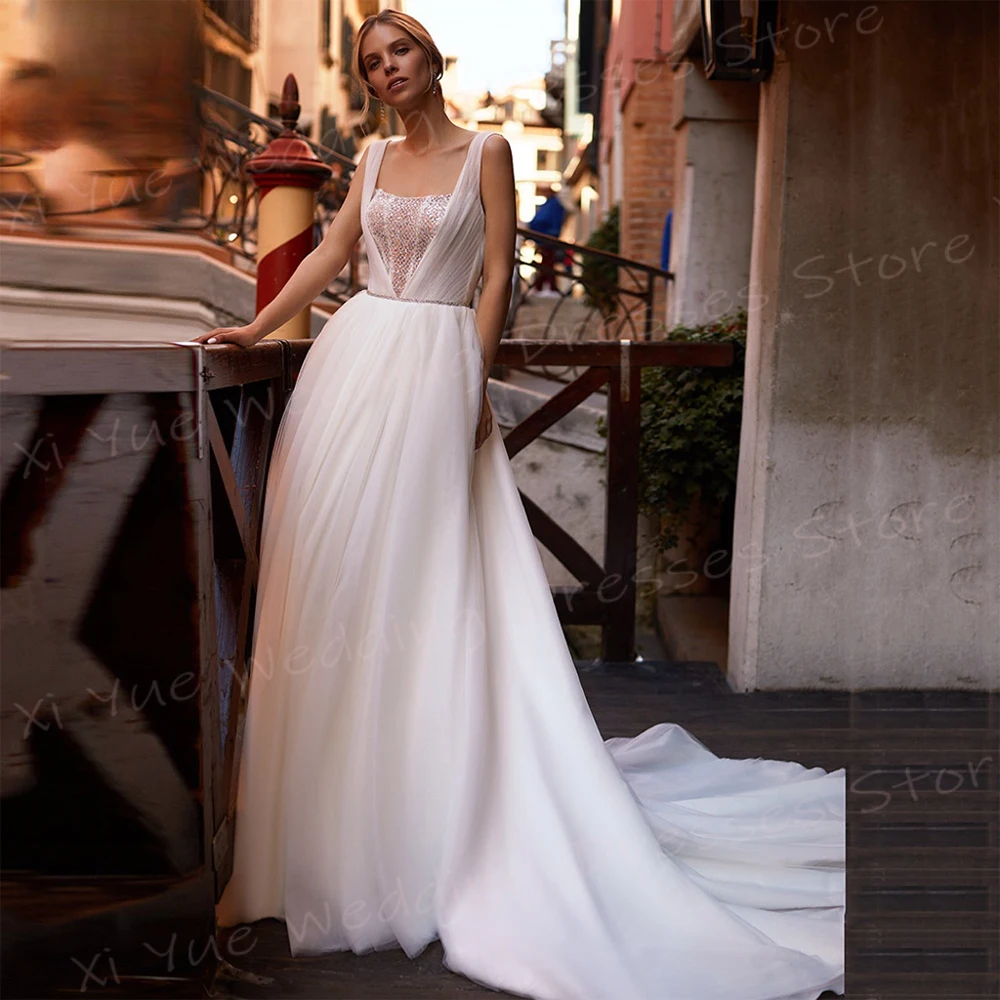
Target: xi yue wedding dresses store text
x=419, y=760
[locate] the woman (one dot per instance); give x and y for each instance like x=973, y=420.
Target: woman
x=419, y=760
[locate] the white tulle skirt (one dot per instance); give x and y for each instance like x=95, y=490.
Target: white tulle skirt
x=419, y=759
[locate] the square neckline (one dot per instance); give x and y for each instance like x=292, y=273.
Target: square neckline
x=454, y=198
x=444, y=194
x=409, y=197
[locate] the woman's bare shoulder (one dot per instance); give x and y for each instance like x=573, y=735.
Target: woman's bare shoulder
x=497, y=151
x=487, y=144
x=497, y=174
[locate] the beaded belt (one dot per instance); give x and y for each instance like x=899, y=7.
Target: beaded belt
x=437, y=302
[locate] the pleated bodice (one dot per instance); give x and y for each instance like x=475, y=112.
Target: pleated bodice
x=425, y=248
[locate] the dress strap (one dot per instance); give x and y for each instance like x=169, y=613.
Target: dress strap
x=375, y=153
x=473, y=173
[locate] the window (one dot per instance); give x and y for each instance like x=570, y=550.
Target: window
x=346, y=46
x=325, y=35
x=227, y=75
x=240, y=15
x=548, y=159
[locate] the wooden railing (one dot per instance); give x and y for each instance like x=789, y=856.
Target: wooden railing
x=132, y=505
x=130, y=511
x=606, y=595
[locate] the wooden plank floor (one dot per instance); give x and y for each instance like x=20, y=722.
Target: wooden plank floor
x=923, y=810
x=923, y=838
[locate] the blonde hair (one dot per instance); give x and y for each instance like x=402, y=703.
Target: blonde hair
x=421, y=38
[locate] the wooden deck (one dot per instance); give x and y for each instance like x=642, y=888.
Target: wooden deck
x=923, y=841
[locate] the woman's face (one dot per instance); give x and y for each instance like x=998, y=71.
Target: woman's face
x=397, y=67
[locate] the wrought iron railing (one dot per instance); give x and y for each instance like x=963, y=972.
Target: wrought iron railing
x=213, y=195
x=210, y=194
x=226, y=150
x=619, y=299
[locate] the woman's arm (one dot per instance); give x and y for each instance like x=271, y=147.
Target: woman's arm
x=316, y=271
x=498, y=251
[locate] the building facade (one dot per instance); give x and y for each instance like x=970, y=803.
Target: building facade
x=845, y=201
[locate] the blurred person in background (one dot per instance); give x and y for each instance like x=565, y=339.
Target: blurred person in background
x=548, y=220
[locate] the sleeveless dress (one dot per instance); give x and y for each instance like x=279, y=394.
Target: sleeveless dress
x=419, y=759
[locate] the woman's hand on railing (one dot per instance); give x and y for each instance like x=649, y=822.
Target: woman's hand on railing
x=242, y=336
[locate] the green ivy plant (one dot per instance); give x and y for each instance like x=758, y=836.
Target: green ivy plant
x=598, y=276
x=690, y=421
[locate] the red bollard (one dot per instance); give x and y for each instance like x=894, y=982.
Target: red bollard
x=287, y=175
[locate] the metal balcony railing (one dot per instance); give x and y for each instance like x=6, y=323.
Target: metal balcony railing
x=213, y=195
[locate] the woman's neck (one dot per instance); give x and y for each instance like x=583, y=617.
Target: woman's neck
x=428, y=128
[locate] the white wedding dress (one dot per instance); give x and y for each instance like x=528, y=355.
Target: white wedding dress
x=419, y=760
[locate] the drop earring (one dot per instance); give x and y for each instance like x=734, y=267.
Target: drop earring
x=381, y=112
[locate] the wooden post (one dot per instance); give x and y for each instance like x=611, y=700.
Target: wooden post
x=621, y=517
x=287, y=174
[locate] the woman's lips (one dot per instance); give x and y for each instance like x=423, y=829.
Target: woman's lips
x=396, y=84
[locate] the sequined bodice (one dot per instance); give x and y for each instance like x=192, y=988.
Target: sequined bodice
x=425, y=248
x=402, y=228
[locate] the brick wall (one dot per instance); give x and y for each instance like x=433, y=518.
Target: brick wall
x=648, y=183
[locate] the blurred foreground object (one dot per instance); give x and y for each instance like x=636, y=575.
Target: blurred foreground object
x=133, y=480
x=105, y=105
